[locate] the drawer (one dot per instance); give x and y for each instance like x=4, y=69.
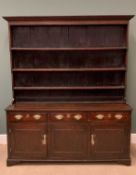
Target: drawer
x=24, y=116
x=116, y=116
x=77, y=117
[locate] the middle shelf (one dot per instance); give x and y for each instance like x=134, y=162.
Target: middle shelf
x=69, y=79
x=67, y=87
x=69, y=60
x=68, y=69
x=68, y=48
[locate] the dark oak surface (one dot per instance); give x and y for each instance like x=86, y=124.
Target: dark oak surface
x=63, y=20
x=68, y=69
x=81, y=47
x=68, y=107
x=69, y=90
x=68, y=49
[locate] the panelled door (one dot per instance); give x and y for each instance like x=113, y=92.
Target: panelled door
x=68, y=141
x=27, y=140
x=109, y=141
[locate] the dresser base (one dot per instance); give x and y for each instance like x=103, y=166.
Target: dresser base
x=69, y=133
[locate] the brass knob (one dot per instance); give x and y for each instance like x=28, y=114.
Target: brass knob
x=109, y=116
x=59, y=116
x=27, y=115
x=68, y=116
x=78, y=116
x=18, y=116
x=99, y=116
x=37, y=116
x=118, y=116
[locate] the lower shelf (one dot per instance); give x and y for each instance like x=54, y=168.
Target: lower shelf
x=72, y=95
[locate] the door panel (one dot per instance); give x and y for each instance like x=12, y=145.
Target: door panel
x=68, y=140
x=109, y=141
x=27, y=140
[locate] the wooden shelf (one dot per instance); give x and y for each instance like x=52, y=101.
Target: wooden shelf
x=67, y=69
x=80, y=55
x=75, y=99
x=68, y=49
x=68, y=87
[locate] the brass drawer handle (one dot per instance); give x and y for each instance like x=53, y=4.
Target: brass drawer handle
x=92, y=139
x=59, y=117
x=118, y=116
x=99, y=116
x=78, y=116
x=37, y=116
x=44, y=139
x=18, y=116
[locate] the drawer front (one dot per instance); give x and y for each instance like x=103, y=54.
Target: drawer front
x=115, y=116
x=24, y=116
x=77, y=117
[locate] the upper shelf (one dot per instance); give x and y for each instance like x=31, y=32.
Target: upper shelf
x=68, y=49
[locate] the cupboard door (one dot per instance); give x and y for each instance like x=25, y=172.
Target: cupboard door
x=68, y=141
x=109, y=141
x=27, y=140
